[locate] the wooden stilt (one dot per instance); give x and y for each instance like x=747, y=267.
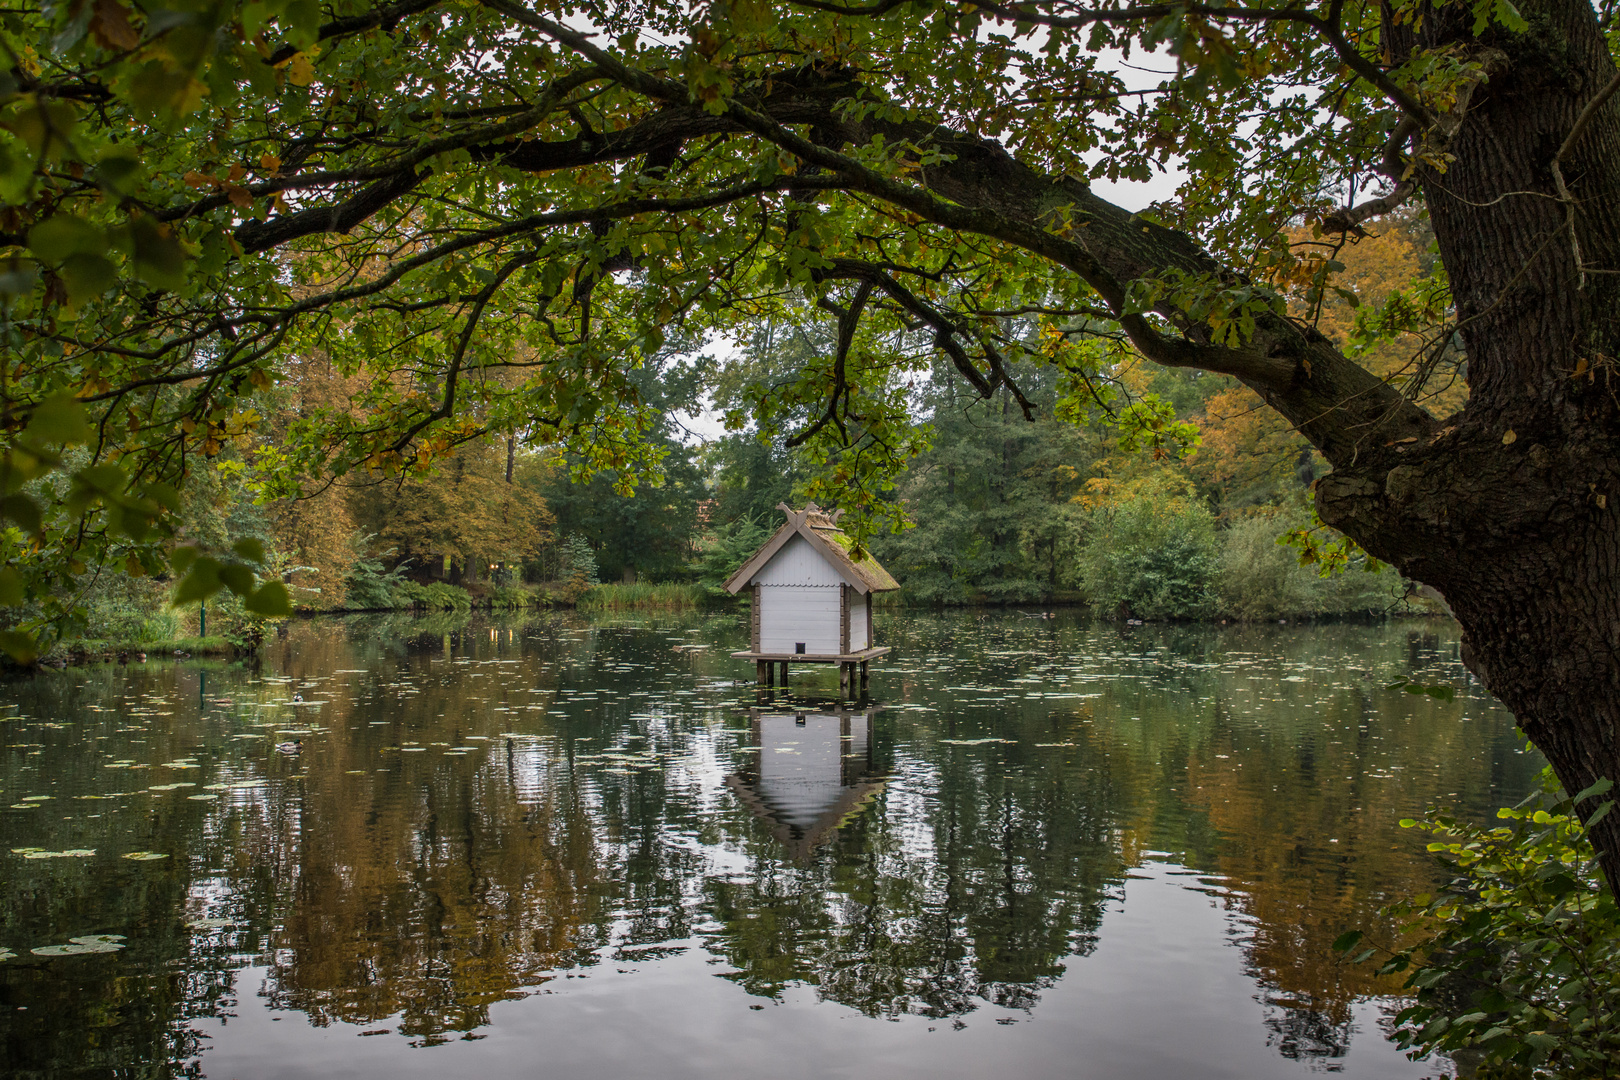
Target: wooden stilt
x=784, y=674
x=843, y=679
x=864, y=675
x=770, y=673
x=759, y=672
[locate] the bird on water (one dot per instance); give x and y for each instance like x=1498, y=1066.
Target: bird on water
x=294, y=747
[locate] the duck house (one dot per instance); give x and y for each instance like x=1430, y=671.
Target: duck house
x=812, y=600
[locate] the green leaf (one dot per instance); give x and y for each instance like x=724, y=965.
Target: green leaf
x=59, y=419
x=24, y=510
x=237, y=578
x=62, y=235
x=13, y=590
x=47, y=129
x=249, y=548
x=159, y=258
x=200, y=582
x=270, y=599
x=182, y=557
x=1347, y=941
x=20, y=646
x=1597, y=787
x=88, y=276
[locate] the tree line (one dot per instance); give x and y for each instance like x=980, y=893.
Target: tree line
x=1185, y=516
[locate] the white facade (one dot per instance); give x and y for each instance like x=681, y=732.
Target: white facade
x=801, y=596
x=791, y=614
x=798, y=564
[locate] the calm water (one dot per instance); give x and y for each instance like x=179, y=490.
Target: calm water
x=565, y=848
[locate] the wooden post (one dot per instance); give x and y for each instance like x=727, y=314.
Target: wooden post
x=770, y=673
x=759, y=672
x=754, y=618
x=784, y=674
x=843, y=618
x=843, y=679
x=864, y=664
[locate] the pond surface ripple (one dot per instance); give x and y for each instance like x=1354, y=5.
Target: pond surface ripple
x=559, y=847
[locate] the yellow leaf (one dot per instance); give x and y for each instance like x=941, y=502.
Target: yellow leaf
x=1510, y=438
x=300, y=72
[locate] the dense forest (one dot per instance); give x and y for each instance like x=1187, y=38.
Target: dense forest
x=1150, y=493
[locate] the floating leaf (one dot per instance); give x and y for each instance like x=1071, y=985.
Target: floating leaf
x=78, y=948
x=145, y=856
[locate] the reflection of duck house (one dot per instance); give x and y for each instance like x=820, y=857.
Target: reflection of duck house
x=812, y=601
x=812, y=771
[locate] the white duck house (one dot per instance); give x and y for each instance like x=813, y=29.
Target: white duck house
x=812, y=601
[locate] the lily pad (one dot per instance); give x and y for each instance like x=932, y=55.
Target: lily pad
x=209, y=924
x=145, y=856
x=100, y=943
x=7, y=954
x=25, y=806
x=202, y=798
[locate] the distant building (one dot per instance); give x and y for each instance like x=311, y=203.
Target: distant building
x=812, y=601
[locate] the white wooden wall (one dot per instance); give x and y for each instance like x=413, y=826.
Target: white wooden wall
x=798, y=564
x=798, y=601
x=857, y=621
x=792, y=613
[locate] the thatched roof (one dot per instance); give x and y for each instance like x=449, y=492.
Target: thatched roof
x=821, y=529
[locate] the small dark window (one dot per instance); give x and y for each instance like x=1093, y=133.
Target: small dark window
x=798, y=647
x=799, y=719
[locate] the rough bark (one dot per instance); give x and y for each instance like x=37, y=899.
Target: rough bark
x=1509, y=509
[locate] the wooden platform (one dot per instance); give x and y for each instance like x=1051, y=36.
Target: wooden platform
x=851, y=666
x=816, y=658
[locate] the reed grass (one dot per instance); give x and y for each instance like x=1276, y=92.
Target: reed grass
x=666, y=597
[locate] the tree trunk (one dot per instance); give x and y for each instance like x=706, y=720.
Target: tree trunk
x=1509, y=510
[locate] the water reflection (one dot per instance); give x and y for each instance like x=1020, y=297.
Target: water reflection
x=808, y=771
x=492, y=824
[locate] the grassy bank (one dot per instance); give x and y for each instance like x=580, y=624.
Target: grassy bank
x=90, y=651
x=669, y=597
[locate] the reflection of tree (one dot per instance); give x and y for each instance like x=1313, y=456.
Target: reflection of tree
x=1010, y=880
x=444, y=884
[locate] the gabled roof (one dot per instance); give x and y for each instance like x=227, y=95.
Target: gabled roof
x=821, y=530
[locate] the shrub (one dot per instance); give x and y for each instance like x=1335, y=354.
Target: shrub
x=722, y=553
x=1259, y=577
x=437, y=596
x=1152, y=555
x=370, y=584
x=578, y=560
x=515, y=598
x=1517, y=960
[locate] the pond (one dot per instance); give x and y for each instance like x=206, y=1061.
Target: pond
x=576, y=848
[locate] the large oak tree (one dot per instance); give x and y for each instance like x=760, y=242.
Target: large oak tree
x=493, y=210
